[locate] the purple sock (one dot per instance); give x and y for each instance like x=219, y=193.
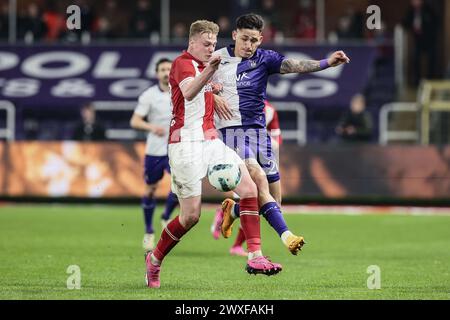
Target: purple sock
x=171, y=204
x=236, y=210
x=148, y=205
x=272, y=212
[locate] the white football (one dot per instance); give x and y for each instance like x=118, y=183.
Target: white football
x=224, y=176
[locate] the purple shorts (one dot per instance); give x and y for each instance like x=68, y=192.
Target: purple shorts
x=252, y=142
x=154, y=168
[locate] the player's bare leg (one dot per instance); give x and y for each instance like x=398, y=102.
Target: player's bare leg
x=275, y=191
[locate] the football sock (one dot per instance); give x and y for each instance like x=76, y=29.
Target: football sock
x=170, y=236
x=235, y=210
x=148, y=206
x=254, y=254
x=171, y=203
x=240, y=239
x=272, y=212
x=286, y=235
x=250, y=223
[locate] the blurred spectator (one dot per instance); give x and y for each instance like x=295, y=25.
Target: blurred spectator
x=272, y=31
x=343, y=28
x=4, y=20
x=240, y=7
x=179, y=32
x=225, y=26
x=356, y=123
x=87, y=15
x=115, y=20
x=269, y=32
x=31, y=25
x=145, y=20
x=305, y=20
x=350, y=26
x=88, y=129
x=55, y=20
x=422, y=22
x=103, y=29
x=269, y=11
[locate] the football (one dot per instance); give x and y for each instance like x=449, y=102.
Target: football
x=224, y=176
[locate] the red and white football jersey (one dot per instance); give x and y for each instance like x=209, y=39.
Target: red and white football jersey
x=272, y=122
x=191, y=120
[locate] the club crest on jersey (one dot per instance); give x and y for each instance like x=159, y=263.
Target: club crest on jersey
x=253, y=64
x=208, y=88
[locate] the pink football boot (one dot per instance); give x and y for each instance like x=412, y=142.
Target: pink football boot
x=152, y=274
x=215, y=228
x=262, y=265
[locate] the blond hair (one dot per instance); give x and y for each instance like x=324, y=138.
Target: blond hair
x=203, y=26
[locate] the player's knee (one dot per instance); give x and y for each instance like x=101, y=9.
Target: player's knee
x=261, y=183
x=150, y=192
x=249, y=189
x=190, y=220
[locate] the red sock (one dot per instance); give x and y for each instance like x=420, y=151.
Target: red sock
x=240, y=239
x=170, y=236
x=248, y=210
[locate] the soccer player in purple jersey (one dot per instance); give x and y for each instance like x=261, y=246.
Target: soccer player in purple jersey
x=243, y=76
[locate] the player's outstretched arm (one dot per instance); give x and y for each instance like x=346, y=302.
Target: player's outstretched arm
x=306, y=66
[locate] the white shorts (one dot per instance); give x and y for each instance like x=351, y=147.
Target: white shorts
x=189, y=162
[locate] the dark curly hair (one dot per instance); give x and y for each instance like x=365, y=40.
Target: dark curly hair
x=250, y=21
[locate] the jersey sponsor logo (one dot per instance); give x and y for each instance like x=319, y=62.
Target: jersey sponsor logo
x=242, y=76
x=241, y=82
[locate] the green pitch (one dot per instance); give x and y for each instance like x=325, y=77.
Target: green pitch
x=39, y=243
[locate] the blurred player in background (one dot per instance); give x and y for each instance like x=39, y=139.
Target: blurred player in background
x=243, y=76
x=153, y=114
x=194, y=145
x=274, y=130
